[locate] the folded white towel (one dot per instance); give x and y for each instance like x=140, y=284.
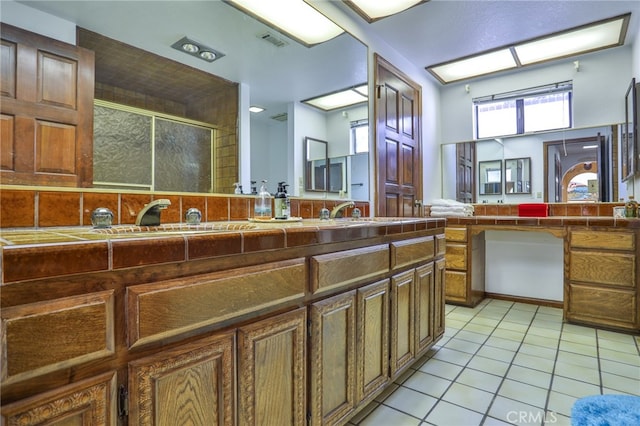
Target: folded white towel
x=460, y=208
x=447, y=202
x=450, y=214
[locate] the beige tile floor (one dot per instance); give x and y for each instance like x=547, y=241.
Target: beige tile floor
x=508, y=363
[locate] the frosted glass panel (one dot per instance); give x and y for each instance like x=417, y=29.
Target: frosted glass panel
x=183, y=157
x=121, y=147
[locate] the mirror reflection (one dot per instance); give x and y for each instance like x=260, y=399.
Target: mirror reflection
x=490, y=174
x=554, y=158
x=517, y=176
x=316, y=165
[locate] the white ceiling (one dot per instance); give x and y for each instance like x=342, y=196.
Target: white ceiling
x=430, y=33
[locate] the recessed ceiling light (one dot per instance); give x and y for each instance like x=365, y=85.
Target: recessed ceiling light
x=190, y=48
x=197, y=49
x=295, y=18
x=208, y=56
x=255, y=109
x=340, y=99
x=372, y=10
x=583, y=39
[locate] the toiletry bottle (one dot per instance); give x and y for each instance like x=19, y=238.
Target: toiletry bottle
x=262, y=207
x=631, y=207
x=280, y=202
x=287, y=208
x=238, y=189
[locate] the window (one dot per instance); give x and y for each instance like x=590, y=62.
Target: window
x=525, y=111
x=359, y=136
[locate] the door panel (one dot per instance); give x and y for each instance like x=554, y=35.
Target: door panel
x=398, y=154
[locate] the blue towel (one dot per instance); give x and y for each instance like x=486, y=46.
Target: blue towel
x=606, y=410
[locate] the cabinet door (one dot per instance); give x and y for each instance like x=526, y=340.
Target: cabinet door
x=372, y=331
x=191, y=384
x=402, y=321
x=424, y=314
x=271, y=371
x=439, y=298
x=333, y=373
x=85, y=403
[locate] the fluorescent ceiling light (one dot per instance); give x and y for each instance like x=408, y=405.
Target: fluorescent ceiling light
x=372, y=10
x=590, y=147
x=341, y=99
x=485, y=63
x=295, y=18
x=255, y=109
x=571, y=43
x=586, y=38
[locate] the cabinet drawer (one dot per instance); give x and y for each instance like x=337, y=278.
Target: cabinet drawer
x=603, y=268
x=334, y=270
x=456, y=256
x=441, y=245
x=183, y=307
x=47, y=336
x=408, y=252
x=603, y=240
x=455, y=285
x=606, y=306
x=455, y=234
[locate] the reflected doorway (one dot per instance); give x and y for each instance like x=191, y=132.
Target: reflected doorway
x=566, y=159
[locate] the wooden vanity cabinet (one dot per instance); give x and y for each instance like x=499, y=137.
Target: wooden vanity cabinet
x=464, y=267
x=602, y=277
x=87, y=402
x=349, y=351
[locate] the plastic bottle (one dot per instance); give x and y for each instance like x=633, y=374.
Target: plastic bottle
x=262, y=206
x=631, y=207
x=280, y=202
x=238, y=189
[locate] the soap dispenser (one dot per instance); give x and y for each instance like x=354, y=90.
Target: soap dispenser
x=280, y=202
x=262, y=205
x=238, y=189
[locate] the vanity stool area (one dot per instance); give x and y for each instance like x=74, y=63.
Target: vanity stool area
x=595, y=260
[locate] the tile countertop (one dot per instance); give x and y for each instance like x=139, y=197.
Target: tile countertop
x=633, y=223
x=30, y=253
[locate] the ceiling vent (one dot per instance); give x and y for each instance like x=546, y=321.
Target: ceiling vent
x=268, y=37
x=280, y=117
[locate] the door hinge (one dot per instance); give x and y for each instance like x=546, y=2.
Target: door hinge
x=123, y=401
x=379, y=90
x=308, y=418
x=309, y=328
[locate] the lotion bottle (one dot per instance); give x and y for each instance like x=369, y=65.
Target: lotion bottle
x=280, y=203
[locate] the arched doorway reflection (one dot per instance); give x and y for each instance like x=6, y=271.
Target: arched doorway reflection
x=580, y=183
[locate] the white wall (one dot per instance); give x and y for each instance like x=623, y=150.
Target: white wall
x=598, y=91
x=633, y=186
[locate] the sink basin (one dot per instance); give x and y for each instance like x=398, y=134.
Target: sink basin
x=173, y=228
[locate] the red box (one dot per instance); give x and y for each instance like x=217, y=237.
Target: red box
x=533, y=210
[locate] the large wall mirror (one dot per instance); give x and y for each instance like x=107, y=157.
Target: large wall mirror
x=561, y=166
x=273, y=72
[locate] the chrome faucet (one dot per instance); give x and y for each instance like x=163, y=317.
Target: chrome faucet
x=150, y=213
x=336, y=210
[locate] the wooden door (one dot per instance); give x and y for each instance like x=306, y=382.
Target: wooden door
x=465, y=173
x=398, y=141
x=402, y=332
x=87, y=402
x=439, y=298
x=372, y=329
x=191, y=384
x=271, y=371
x=425, y=279
x=333, y=353
x=47, y=111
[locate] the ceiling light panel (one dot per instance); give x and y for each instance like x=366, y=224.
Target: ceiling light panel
x=372, y=10
x=341, y=99
x=295, y=18
x=486, y=63
x=586, y=38
x=571, y=43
